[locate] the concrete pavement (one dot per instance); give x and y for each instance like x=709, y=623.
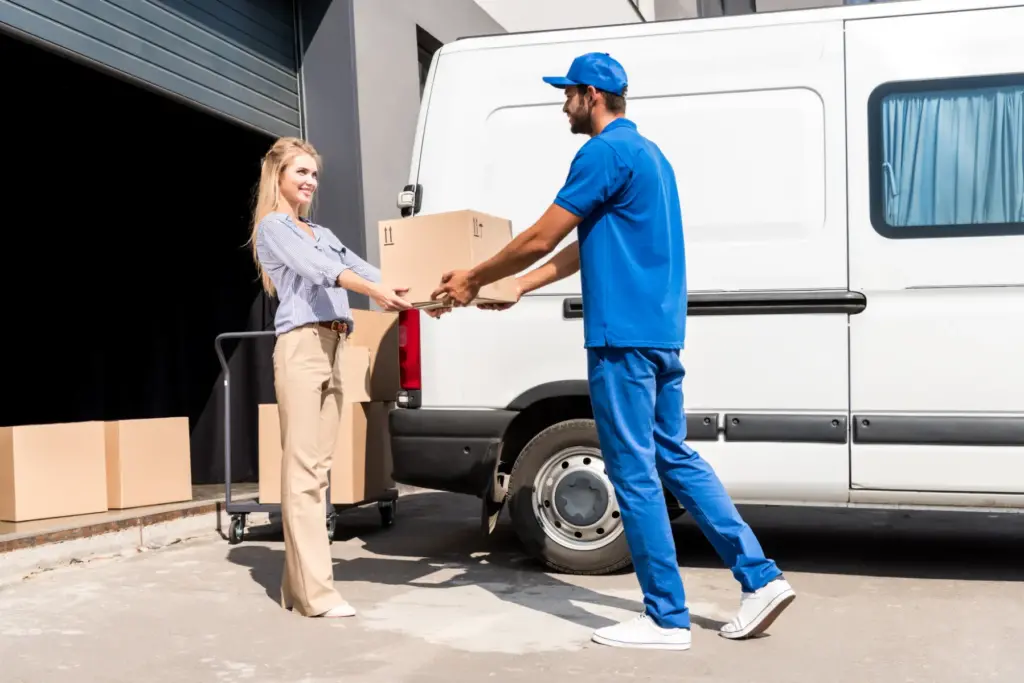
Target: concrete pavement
x=883, y=596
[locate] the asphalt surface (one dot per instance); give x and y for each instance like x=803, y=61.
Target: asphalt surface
x=882, y=596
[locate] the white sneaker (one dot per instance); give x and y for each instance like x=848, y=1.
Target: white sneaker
x=338, y=611
x=758, y=610
x=644, y=634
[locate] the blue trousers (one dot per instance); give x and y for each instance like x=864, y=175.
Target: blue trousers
x=637, y=396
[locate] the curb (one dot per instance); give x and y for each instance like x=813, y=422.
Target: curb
x=24, y=557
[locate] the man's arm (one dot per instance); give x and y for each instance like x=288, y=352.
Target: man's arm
x=560, y=266
x=596, y=174
x=539, y=240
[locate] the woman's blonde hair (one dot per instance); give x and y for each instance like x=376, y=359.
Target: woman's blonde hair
x=268, y=194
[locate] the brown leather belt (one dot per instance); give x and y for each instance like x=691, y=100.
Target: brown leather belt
x=335, y=326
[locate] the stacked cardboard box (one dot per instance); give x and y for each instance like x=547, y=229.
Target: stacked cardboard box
x=414, y=253
x=361, y=466
x=60, y=470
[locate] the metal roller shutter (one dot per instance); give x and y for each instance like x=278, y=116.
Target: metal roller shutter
x=236, y=57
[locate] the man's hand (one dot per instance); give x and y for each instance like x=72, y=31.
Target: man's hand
x=458, y=288
x=390, y=298
x=437, y=312
x=504, y=306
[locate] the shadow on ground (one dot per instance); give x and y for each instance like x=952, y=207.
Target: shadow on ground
x=435, y=532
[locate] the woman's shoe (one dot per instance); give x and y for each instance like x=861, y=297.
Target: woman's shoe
x=339, y=611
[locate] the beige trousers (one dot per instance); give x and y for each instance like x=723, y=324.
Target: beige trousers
x=307, y=380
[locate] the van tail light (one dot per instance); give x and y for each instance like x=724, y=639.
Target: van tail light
x=409, y=357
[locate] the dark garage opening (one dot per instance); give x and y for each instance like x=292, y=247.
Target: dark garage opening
x=125, y=230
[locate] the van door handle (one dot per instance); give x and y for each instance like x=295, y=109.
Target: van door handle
x=572, y=308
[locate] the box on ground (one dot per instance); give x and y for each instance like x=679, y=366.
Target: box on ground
x=361, y=463
x=378, y=331
x=149, y=462
x=54, y=470
x=416, y=251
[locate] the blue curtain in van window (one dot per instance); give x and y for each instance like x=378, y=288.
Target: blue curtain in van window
x=954, y=157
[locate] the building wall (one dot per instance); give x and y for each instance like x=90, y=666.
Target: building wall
x=776, y=5
x=540, y=15
x=388, y=76
x=330, y=116
x=688, y=9
x=676, y=9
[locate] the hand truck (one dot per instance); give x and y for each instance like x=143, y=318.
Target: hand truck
x=387, y=504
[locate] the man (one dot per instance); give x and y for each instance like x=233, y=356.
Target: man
x=622, y=197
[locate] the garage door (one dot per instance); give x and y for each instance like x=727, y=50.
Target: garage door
x=236, y=57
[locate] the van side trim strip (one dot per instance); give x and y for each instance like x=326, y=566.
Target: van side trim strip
x=937, y=430
x=756, y=303
x=786, y=428
x=702, y=426
x=777, y=302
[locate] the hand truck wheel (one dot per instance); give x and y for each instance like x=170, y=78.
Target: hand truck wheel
x=388, y=509
x=332, y=525
x=236, y=530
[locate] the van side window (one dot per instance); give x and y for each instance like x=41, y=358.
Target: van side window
x=426, y=46
x=947, y=157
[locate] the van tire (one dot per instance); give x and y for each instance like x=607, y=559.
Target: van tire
x=545, y=445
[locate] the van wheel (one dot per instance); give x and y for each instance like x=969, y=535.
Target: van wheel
x=562, y=505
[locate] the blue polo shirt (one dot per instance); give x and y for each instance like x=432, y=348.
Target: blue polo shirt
x=632, y=260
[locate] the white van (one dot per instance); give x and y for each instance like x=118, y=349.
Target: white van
x=852, y=185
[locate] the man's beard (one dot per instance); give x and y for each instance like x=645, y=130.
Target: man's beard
x=579, y=121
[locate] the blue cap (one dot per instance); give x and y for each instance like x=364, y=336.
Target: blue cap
x=594, y=68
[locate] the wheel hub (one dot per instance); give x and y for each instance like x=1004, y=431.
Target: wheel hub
x=574, y=500
x=580, y=498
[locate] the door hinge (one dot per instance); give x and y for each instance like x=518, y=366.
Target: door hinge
x=410, y=199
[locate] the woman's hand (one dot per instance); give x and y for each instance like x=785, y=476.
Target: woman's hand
x=390, y=298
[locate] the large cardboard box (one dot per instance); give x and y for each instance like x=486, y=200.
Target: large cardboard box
x=53, y=470
x=416, y=251
x=148, y=462
x=355, y=374
x=362, y=460
x=269, y=453
x=378, y=331
x=361, y=467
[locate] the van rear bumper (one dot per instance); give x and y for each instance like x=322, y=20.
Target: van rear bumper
x=447, y=450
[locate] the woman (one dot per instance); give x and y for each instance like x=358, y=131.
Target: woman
x=310, y=271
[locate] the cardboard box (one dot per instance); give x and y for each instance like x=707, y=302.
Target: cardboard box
x=54, y=470
x=355, y=374
x=269, y=453
x=362, y=460
x=361, y=467
x=148, y=462
x=378, y=331
x=416, y=251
